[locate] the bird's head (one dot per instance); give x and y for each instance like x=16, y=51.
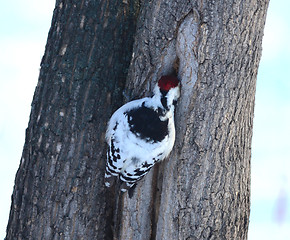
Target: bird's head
x=168, y=88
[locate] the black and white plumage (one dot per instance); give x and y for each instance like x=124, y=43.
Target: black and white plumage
x=141, y=133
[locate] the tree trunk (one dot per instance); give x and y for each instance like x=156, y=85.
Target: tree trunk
x=202, y=191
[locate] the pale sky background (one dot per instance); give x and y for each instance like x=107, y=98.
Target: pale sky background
x=24, y=26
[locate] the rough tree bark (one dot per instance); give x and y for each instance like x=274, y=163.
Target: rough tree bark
x=203, y=190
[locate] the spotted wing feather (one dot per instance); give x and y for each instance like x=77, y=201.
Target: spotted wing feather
x=114, y=160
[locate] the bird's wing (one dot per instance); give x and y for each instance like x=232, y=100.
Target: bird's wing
x=135, y=172
x=115, y=159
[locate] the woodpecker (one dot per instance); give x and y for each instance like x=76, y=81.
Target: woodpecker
x=141, y=133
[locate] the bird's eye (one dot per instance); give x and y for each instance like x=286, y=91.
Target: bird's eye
x=160, y=111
